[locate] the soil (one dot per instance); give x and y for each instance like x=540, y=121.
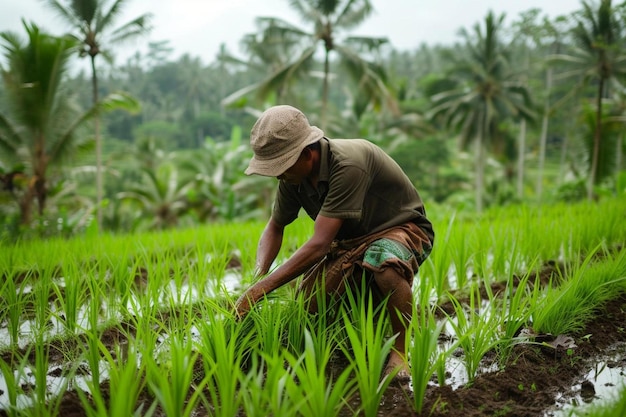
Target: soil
x=536, y=382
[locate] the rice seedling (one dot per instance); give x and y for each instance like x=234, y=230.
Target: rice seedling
x=264, y=388
x=517, y=301
x=269, y=324
x=367, y=350
x=319, y=396
x=437, y=266
x=92, y=335
x=11, y=408
x=42, y=289
x=126, y=382
x=461, y=255
x=70, y=297
x=43, y=404
x=476, y=332
x=172, y=381
x=567, y=308
x=223, y=347
x=423, y=352
x=13, y=301
x=120, y=281
x=278, y=359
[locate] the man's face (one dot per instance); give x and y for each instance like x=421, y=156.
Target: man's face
x=298, y=172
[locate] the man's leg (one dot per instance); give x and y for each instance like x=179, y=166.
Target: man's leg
x=399, y=305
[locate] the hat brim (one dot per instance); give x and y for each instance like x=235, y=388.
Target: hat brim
x=274, y=167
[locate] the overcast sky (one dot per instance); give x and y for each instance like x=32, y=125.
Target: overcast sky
x=198, y=27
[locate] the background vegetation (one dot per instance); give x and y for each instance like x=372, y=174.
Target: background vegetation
x=521, y=109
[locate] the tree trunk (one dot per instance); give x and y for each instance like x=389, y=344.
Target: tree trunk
x=618, y=153
x=325, y=91
x=26, y=207
x=96, y=125
x=480, y=164
x=520, y=159
x=544, y=135
x=597, y=135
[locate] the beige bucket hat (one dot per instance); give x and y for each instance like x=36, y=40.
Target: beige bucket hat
x=278, y=138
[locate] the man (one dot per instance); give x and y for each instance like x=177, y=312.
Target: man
x=369, y=218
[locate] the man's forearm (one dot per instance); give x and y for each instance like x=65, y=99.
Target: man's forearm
x=302, y=259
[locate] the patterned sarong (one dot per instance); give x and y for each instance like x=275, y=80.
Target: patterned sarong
x=402, y=248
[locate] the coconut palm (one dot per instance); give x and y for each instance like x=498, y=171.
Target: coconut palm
x=93, y=26
x=160, y=196
x=487, y=92
x=40, y=130
x=597, y=56
x=329, y=20
x=266, y=54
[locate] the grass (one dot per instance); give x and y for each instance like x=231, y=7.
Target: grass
x=566, y=308
x=163, y=296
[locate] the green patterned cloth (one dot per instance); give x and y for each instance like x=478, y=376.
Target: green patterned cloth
x=383, y=249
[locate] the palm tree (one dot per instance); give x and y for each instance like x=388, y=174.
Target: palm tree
x=329, y=18
x=93, y=22
x=266, y=54
x=161, y=196
x=41, y=129
x=487, y=92
x=596, y=57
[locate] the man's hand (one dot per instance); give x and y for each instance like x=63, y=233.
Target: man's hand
x=244, y=303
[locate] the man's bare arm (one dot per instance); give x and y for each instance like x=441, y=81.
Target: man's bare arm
x=268, y=248
x=312, y=251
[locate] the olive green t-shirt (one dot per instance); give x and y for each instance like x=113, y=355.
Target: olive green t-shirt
x=358, y=182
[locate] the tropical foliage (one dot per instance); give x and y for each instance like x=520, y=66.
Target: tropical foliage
x=92, y=24
x=458, y=118
x=41, y=130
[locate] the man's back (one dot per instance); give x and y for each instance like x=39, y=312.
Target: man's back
x=359, y=183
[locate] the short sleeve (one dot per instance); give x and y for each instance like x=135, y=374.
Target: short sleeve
x=286, y=205
x=346, y=193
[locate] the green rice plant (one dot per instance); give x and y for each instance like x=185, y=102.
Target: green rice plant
x=477, y=333
x=503, y=251
x=223, y=345
x=253, y=400
x=440, y=364
x=298, y=320
x=12, y=303
x=437, y=266
x=269, y=319
x=518, y=300
x=172, y=382
x=126, y=382
x=144, y=321
x=319, y=395
x=264, y=388
x=12, y=386
x=92, y=334
x=70, y=299
x=566, y=309
x=42, y=289
x=43, y=403
x=368, y=349
x=482, y=256
x=325, y=326
x=120, y=281
x=423, y=352
x=461, y=255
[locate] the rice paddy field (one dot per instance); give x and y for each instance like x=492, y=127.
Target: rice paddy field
x=520, y=311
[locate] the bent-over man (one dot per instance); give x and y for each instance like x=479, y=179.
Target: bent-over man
x=370, y=222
